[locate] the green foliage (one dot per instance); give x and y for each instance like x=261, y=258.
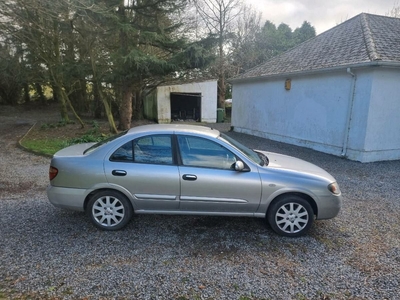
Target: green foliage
x=87, y=138
x=196, y=55
x=276, y=40
x=49, y=146
x=11, y=77
x=44, y=146
x=259, y=44
x=117, y=45
x=94, y=54
x=47, y=126
x=59, y=124
x=91, y=136
x=303, y=33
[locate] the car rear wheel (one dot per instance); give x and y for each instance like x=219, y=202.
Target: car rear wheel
x=290, y=216
x=109, y=210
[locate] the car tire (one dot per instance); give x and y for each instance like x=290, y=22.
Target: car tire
x=109, y=210
x=290, y=216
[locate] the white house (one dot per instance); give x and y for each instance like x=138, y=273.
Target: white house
x=196, y=101
x=338, y=93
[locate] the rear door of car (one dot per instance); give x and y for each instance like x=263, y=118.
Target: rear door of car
x=209, y=182
x=146, y=168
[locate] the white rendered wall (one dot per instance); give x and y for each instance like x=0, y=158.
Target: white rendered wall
x=208, y=91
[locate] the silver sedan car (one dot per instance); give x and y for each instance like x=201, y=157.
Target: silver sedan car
x=191, y=170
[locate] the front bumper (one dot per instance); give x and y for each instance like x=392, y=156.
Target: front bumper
x=329, y=206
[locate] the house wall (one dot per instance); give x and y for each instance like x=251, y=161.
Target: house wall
x=208, y=91
x=312, y=113
x=337, y=113
x=378, y=118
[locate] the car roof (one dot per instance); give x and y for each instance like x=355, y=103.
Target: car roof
x=175, y=128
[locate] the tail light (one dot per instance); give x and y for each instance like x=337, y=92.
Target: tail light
x=52, y=173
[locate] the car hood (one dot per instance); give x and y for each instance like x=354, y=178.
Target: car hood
x=285, y=162
x=74, y=150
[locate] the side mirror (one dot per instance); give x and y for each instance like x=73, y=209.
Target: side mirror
x=239, y=166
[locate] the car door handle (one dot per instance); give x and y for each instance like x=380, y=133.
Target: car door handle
x=189, y=177
x=118, y=172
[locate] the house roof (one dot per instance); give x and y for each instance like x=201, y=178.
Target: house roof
x=365, y=39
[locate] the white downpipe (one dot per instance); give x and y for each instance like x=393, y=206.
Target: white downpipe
x=349, y=113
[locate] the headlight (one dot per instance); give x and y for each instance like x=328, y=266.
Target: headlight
x=334, y=188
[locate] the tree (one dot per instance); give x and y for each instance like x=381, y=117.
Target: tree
x=245, y=54
x=11, y=81
x=272, y=40
x=105, y=55
x=303, y=33
x=114, y=47
x=145, y=48
x=218, y=17
x=395, y=11
x=35, y=25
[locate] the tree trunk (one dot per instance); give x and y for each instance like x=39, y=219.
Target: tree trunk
x=78, y=97
x=39, y=91
x=27, y=98
x=99, y=97
x=138, y=105
x=57, y=94
x=221, y=69
x=125, y=109
x=221, y=92
x=97, y=107
x=110, y=118
x=66, y=99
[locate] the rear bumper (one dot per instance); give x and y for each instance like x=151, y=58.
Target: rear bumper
x=68, y=198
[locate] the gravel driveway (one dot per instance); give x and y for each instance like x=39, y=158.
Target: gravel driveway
x=49, y=253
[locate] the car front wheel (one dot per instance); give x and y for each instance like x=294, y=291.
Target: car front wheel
x=109, y=210
x=290, y=216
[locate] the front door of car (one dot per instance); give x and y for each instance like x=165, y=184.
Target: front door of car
x=146, y=168
x=209, y=182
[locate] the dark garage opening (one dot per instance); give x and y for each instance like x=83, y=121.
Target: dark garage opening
x=185, y=106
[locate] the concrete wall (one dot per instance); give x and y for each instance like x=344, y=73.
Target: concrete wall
x=208, y=91
x=337, y=113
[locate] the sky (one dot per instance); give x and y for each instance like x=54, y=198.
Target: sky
x=322, y=14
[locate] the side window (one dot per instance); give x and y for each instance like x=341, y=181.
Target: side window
x=199, y=152
x=123, y=153
x=154, y=149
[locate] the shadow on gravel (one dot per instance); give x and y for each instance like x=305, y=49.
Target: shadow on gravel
x=188, y=235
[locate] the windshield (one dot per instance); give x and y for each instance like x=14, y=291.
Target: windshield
x=250, y=154
x=103, y=142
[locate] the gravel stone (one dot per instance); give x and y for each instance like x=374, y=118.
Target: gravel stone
x=49, y=253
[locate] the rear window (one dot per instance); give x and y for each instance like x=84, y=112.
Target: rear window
x=103, y=142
